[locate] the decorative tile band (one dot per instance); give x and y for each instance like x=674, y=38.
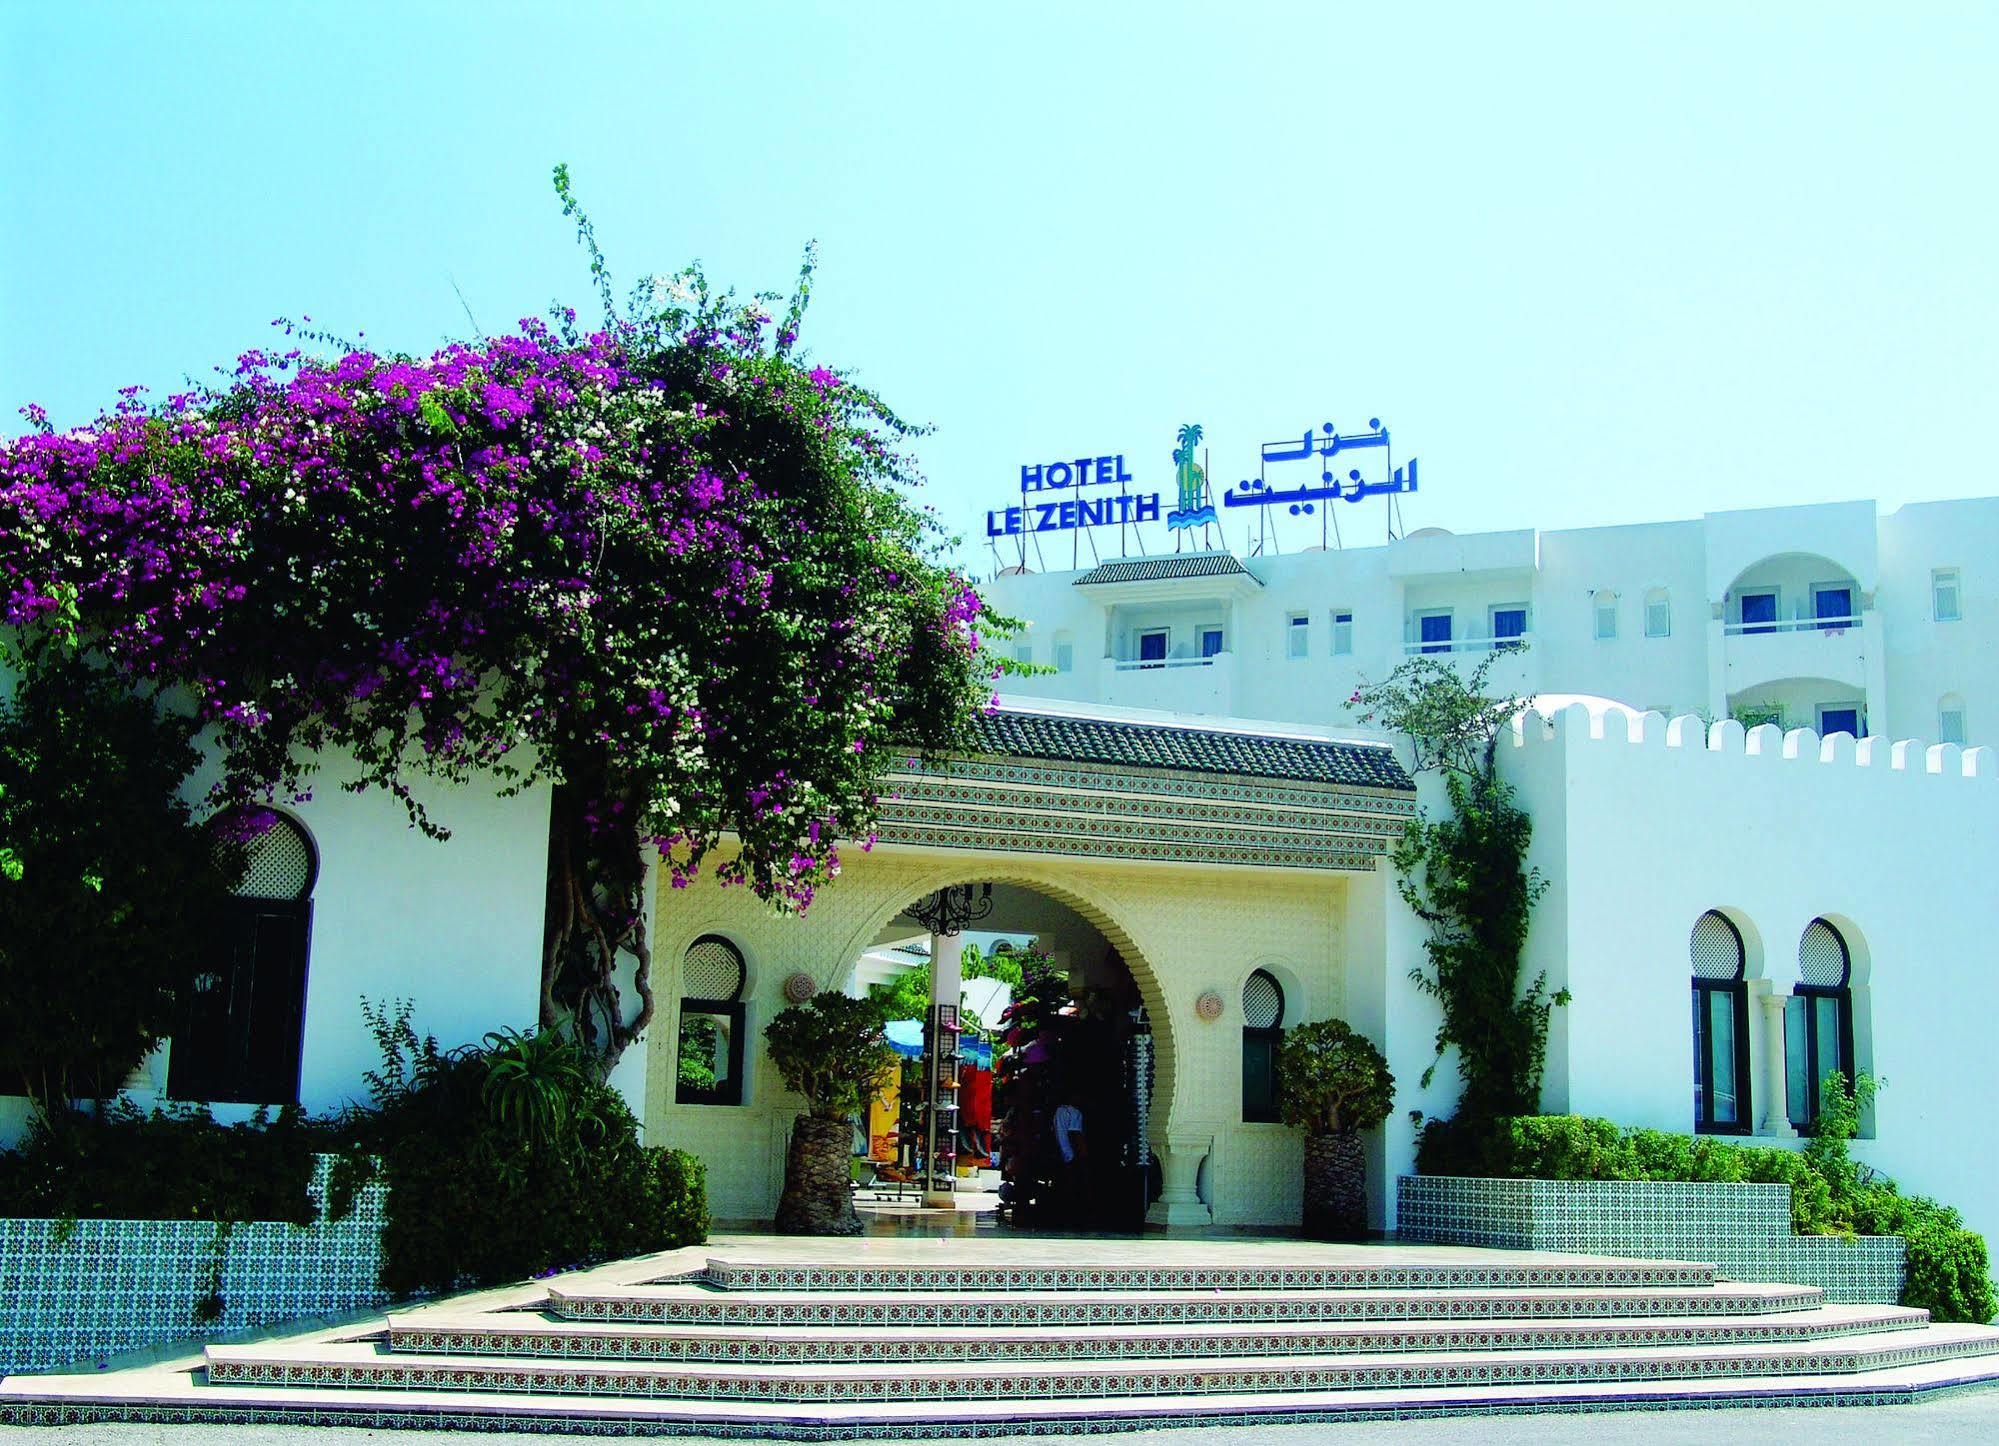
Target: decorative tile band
x=763, y=1276
x=1079, y=1382
x=1744, y=1229
x=1233, y=1307
x=753, y=1347
x=582, y=1420
x=97, y=1288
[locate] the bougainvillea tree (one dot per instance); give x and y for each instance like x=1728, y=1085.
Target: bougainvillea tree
x=667, y=564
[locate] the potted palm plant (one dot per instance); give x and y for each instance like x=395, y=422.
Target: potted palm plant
x=831, y=1050
x=1333, y=1084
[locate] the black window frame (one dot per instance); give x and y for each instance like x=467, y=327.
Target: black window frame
x=730, y=1091
x=1842, y=995
x=1737, y=989
x=1260, y=1107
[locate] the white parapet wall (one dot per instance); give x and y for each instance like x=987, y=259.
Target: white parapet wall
x=1642, y=824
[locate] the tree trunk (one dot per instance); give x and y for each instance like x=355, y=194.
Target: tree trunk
x=818, y=1193
x=1335, y=1187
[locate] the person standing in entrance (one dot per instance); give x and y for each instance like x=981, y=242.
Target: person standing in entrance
x=1074, y=1147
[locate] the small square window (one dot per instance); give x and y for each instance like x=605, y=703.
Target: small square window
x=1950, y=725
x=1658, y=616
x=1298, y=637
x=1509, y=625
x=1606, y=617
x=1211, y=642
x=1023, y=652
x=1945, y=603
x=1065, y=657
x=1342, y=634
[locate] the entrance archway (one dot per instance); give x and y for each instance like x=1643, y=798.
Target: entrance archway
x=1104, y=1042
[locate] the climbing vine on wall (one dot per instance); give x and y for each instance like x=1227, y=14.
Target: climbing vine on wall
x=1467, y=877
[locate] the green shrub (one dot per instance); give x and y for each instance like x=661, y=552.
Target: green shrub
x=1331, y=1080
x=831, y=1049
x=1948, y=1273
x=512, y=1161
x=122, y=1164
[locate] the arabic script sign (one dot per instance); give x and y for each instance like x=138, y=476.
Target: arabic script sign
x=1302, y=501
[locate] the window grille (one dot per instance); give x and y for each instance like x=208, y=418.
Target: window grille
x=279, y=864
x=1262, y=1002
x=1822, y=958
x=1717, y=948
x=713, y=970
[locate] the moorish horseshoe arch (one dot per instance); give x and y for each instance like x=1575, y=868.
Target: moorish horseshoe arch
x=1089, y=904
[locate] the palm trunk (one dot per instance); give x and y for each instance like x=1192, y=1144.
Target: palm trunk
x=1335, y=1187
x=818, y=1194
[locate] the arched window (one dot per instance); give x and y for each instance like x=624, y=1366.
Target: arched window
x=1603, y=608
x=1262, y=1028
x=1721, y=1027
x=1818, y=1020
x=710, y=1054
x=242, y=1014
x=1658, y=613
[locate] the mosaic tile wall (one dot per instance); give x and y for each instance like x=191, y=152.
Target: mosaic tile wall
x=1744, y=1231
x=103, y=1287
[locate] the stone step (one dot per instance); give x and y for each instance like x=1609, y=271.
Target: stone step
x=693, y=1304
x=180, y=1396
x=1403, y=1267
x=366, y=1365
x=539, y=1336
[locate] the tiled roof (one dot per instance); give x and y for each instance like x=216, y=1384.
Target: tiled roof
x=1192, y=750
x=1154, y=569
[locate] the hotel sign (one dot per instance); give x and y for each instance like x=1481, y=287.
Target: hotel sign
x=1067, y=511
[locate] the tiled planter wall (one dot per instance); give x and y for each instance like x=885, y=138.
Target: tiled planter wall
x=1744, y=1231
x=101, y=1287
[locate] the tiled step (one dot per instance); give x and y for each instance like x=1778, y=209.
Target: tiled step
x=1402, y=1268
x=690, y=1304
x=526, y=1334
x=369, y=1366
x=181, y=1397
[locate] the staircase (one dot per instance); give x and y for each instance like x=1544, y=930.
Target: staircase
x=771, y=1338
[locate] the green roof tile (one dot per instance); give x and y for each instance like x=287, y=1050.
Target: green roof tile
x=1154, y=569
x=1193, y=750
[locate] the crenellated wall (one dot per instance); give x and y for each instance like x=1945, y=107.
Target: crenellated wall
x=1642, y=824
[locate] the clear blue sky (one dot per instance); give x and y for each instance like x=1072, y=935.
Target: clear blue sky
x=1591, y=263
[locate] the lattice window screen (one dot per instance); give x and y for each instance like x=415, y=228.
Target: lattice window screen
x=1822, y=956
x=713, y=969
x=1262, y=1002
x=1717, y=948
x=280, y=863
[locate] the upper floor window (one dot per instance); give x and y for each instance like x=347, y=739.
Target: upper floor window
x=1342, y=632
x=1721, y=1026
x=1946, y=604
x=1211, y=642
x=1818, y=1020
x=1262, y=1030
x=710, y=1057
x=1847, y=718
x=1757, y=610
x=1023, y=651
x=1509, y=624
x=1950, y=719
x=1604, y=610
x=1433, y=631
x=1832, y=604
x=1065, y=654
x=1298, y=636
x=1152, y=645
x=1658, y=614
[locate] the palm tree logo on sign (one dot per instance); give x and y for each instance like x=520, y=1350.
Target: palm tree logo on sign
x=1197, y=508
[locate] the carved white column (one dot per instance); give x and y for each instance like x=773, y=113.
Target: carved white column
x=1776, y=1112
x=1180, y=1157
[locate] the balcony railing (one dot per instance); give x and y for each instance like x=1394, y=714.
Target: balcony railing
x=1792, y=625
x=1469, y=645
x=1126, y=665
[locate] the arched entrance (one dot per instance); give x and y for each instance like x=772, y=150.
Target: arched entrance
x=1079, y=1040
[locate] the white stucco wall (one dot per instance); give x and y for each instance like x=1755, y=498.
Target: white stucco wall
x=1894, y=843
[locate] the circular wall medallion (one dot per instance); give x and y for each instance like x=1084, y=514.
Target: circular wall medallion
x=1209, y=1005
x=800, y=987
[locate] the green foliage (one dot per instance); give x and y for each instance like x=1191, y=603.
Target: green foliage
x=1331, y=1080
x=907, y=996
x=698, y=1037
x=1948, y=1273
x=114, y=905
x=121, y=1164
x=512, y=1161
x=831, y=1050
x=1467, y=878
